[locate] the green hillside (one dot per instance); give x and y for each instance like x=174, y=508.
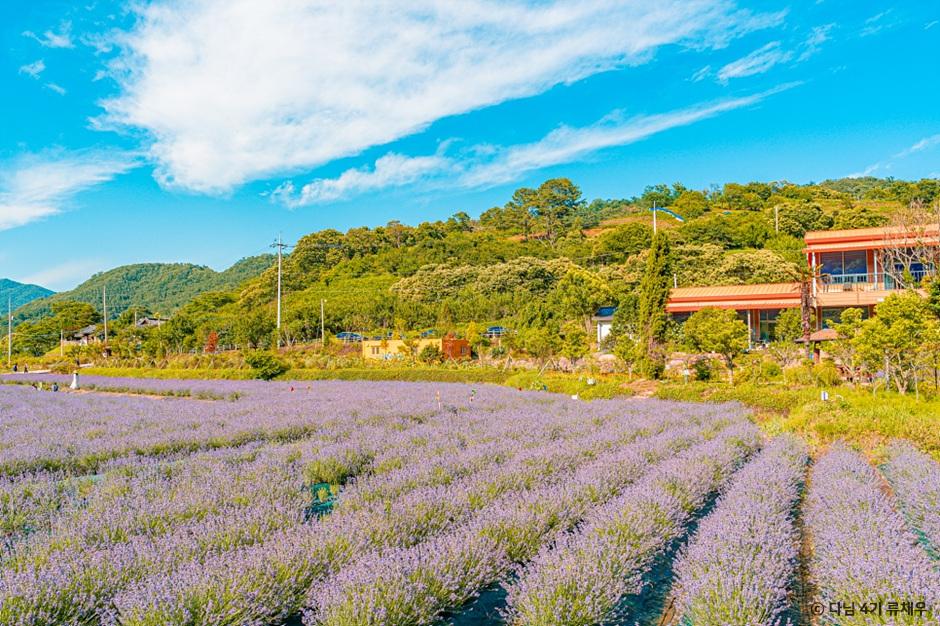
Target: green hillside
x=20, y=293
x=540, y=264
x=158, y=287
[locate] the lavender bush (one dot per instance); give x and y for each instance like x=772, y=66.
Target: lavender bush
x=136, y=510
x=739, y=566
x=583, y=577
x=863, y=552
x=346, y=536
x=511, y=529
x=915, y=478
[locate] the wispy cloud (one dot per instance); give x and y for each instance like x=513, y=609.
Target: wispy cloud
x=920, y=146
x=486, y=166
x=931, y=24
x=813, y=43
x=757, y=62
x=235, y=90
x=59, y=89
x=391, y=170
x=886, y=165
x=65, y=275
x=33, y=69
x=53, y=39
x=876, y=23
x=702, y=74
x=37, y=186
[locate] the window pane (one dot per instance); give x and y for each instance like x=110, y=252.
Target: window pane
x=831, y=263
x=856, y=262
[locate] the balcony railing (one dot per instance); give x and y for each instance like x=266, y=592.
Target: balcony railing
x=867, y=281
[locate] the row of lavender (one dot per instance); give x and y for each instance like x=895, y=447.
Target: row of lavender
x=158, y=537
x=78, y=432
x=567, y=505
x=871, y=554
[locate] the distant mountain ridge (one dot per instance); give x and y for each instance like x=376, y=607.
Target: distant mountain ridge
x=160, y=287
x=20, y=293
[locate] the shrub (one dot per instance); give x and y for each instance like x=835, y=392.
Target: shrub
x=430, y=354
x=827, y=374
x=265, y=365
x=704, y=369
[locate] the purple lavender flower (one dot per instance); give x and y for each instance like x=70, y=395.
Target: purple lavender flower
x=915, y=478
x=583, y=577
x=863, y=551
x=739, y=566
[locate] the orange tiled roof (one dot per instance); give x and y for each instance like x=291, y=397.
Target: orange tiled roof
x=867, y=238
x=763, y=296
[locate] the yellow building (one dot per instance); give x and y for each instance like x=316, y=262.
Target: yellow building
x=386, y=349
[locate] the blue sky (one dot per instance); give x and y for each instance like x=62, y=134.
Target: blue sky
x=196, y=130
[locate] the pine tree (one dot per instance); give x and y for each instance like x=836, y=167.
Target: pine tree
x=652, y=321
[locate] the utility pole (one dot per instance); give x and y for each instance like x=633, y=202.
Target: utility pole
x=104, y=306
x=776, y=218
x=61, y=342
x=280, y=248
x=322, y=333
x=654, y=217
x=9, y=331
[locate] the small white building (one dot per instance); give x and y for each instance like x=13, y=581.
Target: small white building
x=604, y=320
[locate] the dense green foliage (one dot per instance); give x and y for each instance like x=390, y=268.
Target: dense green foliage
x=538, y=265
x=717, y=331
x=19, y=293
x=158, y=287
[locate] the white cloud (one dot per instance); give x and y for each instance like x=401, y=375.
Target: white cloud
x=757, y=62
x=493, y=165
x=38, y=186
x=876, y=23
x=59, y=89
x=868, y=171
x=33, y=69
x=391, y=170
x=814, y=42
x=702, y=74
x=924, y=144
x=235, y=90
x=65, y=275
x=920, y=146
x=52, y=39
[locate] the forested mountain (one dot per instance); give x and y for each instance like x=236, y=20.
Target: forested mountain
x=540, y=264
x=160, y=288
x=20, y=293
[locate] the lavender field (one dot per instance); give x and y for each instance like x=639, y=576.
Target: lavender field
x=151, y=503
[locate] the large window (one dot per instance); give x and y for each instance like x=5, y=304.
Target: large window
x=832, y=316
x=767, y=325
x=844, y=263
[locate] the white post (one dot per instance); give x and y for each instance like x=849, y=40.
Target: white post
x=654, y=217
x=813, y=258
x=104, y=305
x=279, y=247
x=9, y=331
x=750, y=331
x=322, y=332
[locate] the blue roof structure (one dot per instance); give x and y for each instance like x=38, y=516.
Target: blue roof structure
x=348, y=336
x=606, y=311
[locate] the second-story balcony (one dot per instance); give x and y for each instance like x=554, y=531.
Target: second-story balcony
x=869, y=281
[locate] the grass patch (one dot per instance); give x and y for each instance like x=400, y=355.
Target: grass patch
x=858, y=417
x=605, y=386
